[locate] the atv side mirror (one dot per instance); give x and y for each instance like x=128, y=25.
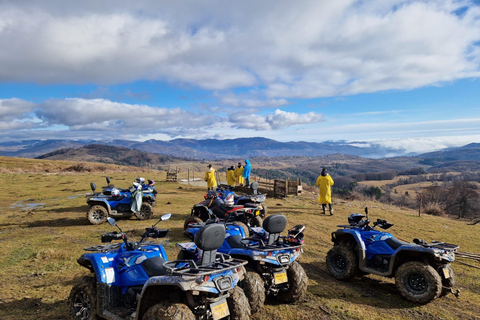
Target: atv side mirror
x=93, y=186
x=166, y=216
x=111, y=221
x=108, y=180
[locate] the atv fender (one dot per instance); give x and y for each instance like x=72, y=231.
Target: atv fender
x=99, y=201
x=100, y=265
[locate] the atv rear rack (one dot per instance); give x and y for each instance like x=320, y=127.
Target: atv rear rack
x=223, y=262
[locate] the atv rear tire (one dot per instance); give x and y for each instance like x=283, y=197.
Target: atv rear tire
x=342, y=263
x=145, y=213
x=167, y=310
x=254, y=288
x=97, y=214
x=447, y=283
x=238, y=305
x=418, y=282
x=297, y=284
x=191, y=220
x=257, y=222
x=243, y=226
x=264, y=211
x=82, y=300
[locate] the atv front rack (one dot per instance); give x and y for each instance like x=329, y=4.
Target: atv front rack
x=222, y=262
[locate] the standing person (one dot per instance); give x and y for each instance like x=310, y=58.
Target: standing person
x=238, y=174
x=246, y=172
x=231, y=176
x=210, y=178
x=324, y=183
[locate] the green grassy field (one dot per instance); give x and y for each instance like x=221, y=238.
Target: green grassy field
x=43, y=230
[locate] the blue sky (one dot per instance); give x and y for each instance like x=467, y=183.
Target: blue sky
x=400, y=73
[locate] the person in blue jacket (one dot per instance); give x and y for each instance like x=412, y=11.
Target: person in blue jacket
x=246, y=172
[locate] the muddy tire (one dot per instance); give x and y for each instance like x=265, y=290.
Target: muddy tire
x=297, y=284
x=264, y=211
x=145, y=213
x=257, y=222
x=254, y=288
x=238, y=305
x=82, y=300
x=342, y=263
x=166, y=310
x=418, y=282
x=191, y=220
x=447, y=283
x=97, y=214
x=243, y=226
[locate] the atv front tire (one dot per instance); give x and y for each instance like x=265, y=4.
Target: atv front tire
x=254, y=288
x=145, y=213
x=418, y=282
x=82, y=300
x=342, y=263
x=191, y=220
x=257, y=222
x=238, y=305
x=243, y=226
x=167, y=310
x=97, y=214
x=297, y=284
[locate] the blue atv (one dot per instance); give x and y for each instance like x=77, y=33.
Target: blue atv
x=149, y=190
x=422, y=271
x=272, y=269
x=119, y=206
x=134, y=280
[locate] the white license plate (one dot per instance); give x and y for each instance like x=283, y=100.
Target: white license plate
x=281, y=277
x=219, y=310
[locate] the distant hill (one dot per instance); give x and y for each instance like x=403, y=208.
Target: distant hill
x=111, y=155
x=470, y=152
x=209, y=149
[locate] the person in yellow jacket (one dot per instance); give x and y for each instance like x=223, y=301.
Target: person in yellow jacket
x=231, y=176
x=210, y=178
x=324, y=183
x=239, y=175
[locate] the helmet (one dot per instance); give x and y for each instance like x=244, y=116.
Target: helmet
x=141, y=180
x=115, y=192
x=151, y=182
x=355, y=218
x=229, y=200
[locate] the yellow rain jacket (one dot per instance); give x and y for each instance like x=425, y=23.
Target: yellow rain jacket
x=238, y=175
x=231, y=177
x=210, y=178
x=324, y=183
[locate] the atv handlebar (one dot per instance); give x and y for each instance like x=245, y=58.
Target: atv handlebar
x=109, y=236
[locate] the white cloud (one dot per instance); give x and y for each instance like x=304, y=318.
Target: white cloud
x=274, y=121
x=286, y=49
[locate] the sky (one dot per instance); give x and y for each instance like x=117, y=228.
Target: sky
x=404, y=74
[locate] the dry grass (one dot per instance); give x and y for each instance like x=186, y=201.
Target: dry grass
x=43, y=230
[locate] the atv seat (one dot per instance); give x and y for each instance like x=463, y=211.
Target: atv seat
x=274, y=225
x=250, y=205
x=236, y=241
x=209, y=239
x=395, y=243
x=154, y=266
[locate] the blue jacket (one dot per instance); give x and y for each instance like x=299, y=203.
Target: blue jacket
x=246, y=169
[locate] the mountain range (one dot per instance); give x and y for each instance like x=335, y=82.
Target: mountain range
x=211, y=149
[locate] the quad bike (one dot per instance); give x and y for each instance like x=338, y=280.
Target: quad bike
x=422, y=271
x=257, y=198
x=248, y=215
x=272, y=269
x=134, y=280
x=149, y=190
x=103, y=206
